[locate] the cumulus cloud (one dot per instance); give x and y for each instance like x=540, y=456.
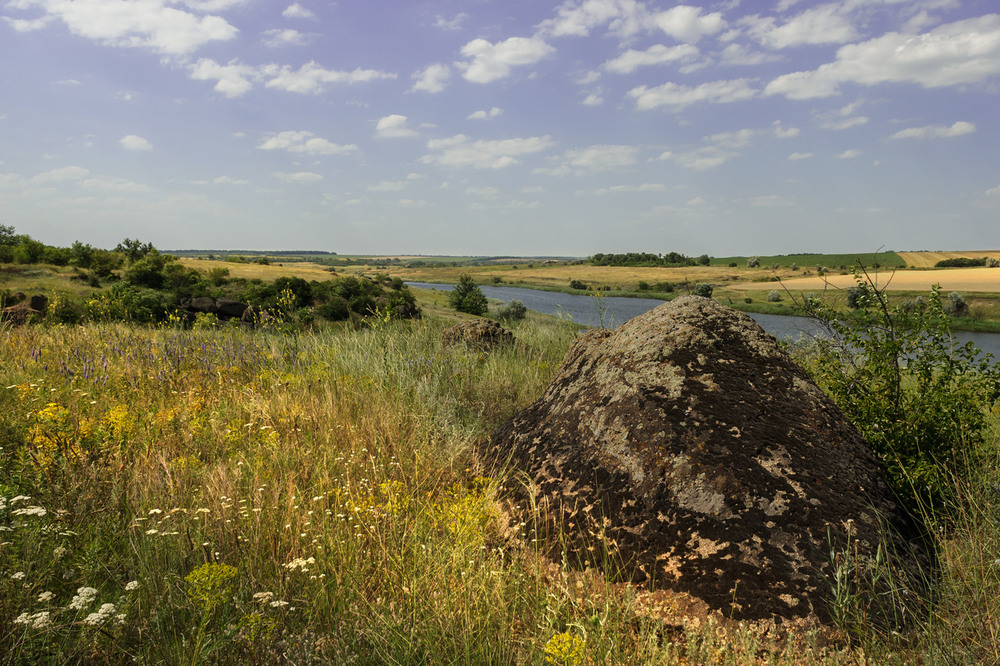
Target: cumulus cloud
x=678, y=96
x=387, y=186
x=657, y=54
x=740, y=54
x=963, y=52
x=795, y=157
x=451, y=24
x=229, y=180
x=593, y=99
x=577, y=18
x=393, y=127
x=133, y=142
x=152, y=24
x=483, y=114
x=784, y=132
x=825, y=24
x=848, y=154
x=490, y=62
x=431, y=79
x=687, y=24
x=231, y=80
x=304, y=143
x=993, y=191
x=279, y=37
x=624, y=189
x=297, y=11
x=312, y=78
x=591, y=159
x=935, y=131
x=460, y=151
x=301, y=177
x=61, y=174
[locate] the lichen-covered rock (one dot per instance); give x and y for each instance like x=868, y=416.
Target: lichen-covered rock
x=691, y=444
x=484, y=334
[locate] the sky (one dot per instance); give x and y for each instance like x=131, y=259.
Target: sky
x=503, y=127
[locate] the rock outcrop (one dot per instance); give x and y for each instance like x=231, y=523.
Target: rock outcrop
x=24, y=309
x=689, y=444
x=483, y=334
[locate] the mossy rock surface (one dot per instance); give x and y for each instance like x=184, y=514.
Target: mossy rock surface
x=694, y=447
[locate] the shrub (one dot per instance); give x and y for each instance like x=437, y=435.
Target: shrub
x=512, y=311
x=642, y=286
x=773, y=296
x=665, y=287
x=992, y=262
x=956, y=305
x=753, y=262
x=468, y=297
x=577, y=284
x=702, y=289
x=336, y=309
x=961, y=262
x=916, y=395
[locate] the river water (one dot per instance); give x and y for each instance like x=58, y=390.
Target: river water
x=616, y=310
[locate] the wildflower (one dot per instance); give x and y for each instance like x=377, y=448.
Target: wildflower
x=101, y=616
x=19, y=498
x=131, y=586
x=263, y=597
x=564, y=648
x=18, y=576
x=58, y=552
x=84, y=596
x=279, y=604
x=45, y=597
x=30, y=511
x=152, y=531
x=37, y=621
x=299, y=563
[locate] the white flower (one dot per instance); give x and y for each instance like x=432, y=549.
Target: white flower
x=131, y=586
x=279, y=604
x=19, y=498
x=45, y=596
x=23, y=618
x=101, y=616
x=30, y=511
x=18, y=576
x=84, y=596
x=58, y=552
x=263, y=597
x=37, y=621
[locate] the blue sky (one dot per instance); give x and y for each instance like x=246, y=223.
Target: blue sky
x=487, y=127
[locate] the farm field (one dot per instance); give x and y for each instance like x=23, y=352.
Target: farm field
x=950, y=279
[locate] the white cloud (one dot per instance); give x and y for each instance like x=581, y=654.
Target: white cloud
x=26, y=25
x=453, y=23
x=303, y=177
x=739, y=54
x=678, y=96
x=593, y=99
x=625, y=189
x=578, y=17
x=133, y=142
x=848, y=154
x=490, y=62
x=842, y=118
x=485, y=191
x=297, y=11
x=279, y=37
x=825, y=24
x=770, y=201
x=229, y=180
x=657, y=54
x=483, y=114
x=459, y=151
x=993, y=192
x=962, y=52
x=300, y=142
x=149, y=24
x=311, y=78
x=431, y=79
x=795, y=157
x=688, y=24
x=61, y=174
x=591, y=159
x=784, y=132
x=114, y=184
x=737, y=139
x=387, y=186
x=393, y=127
x=232, y=80
x=935, y=131
x=412, y=203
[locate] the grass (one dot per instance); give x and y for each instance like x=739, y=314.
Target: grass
x=249, y=497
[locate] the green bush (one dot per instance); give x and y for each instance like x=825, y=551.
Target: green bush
x=703, y=290
x=919, y=397
x=773, y=296
x=577, y=284
x=468, y=297
x=512, y=311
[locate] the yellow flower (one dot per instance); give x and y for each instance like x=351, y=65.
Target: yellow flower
x=564, y=649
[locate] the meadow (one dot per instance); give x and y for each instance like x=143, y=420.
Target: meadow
x=291, y=496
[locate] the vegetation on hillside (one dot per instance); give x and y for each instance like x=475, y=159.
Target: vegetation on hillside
x=648, y=259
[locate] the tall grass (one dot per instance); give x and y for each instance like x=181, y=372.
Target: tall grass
x=238, y=497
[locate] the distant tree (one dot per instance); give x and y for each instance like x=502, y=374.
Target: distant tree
x=753, y=262
x=133, y=249
x=7, y=236
x=468, y=297
x=704, y=260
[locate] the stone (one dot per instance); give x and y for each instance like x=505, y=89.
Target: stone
x=482, y=334
x=693, y=448
x=202, y=304
x=19, y=314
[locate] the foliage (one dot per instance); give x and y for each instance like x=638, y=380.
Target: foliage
x=703, y=289
x=956, y=306
x=512, y=311
x=915, y=394
x=773, y=296
x=648, y=259
x=468, y=297
x=961, y=262
x=577, y=284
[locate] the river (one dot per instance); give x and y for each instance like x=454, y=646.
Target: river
x=616, y=310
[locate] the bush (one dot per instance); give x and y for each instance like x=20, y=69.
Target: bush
x=512, y=311
x=336, y=309
x=702, y=290
x=917, y=396
x=753, y=262
x=577, y=284
x=956, y=306
x=642, y=286
x=468, y=297
x=664, y=287
x=961, y=262
x=773, y=296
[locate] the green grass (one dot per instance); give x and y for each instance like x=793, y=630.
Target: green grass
x=811, y=260
x=247, y=497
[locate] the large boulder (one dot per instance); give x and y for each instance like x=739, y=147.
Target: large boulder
x=690, y=445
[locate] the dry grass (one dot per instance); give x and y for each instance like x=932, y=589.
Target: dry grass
x=269, y=273
x=929, y=259
x=950, y=279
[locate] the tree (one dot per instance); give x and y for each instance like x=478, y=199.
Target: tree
x=468, y=297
